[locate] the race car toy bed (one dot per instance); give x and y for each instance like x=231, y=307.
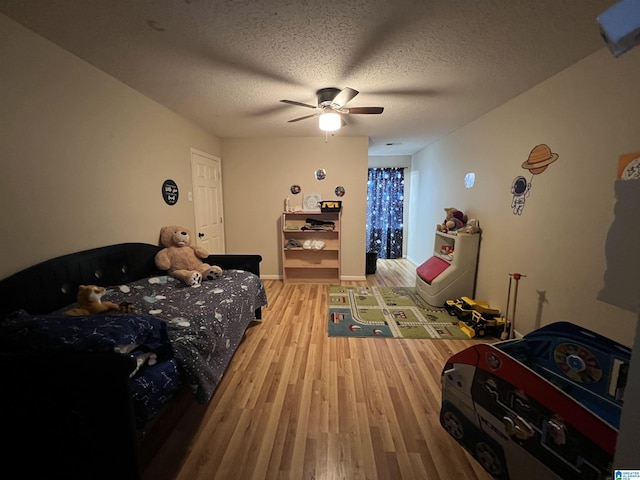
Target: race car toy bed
x=79, y=393
x=546, y=405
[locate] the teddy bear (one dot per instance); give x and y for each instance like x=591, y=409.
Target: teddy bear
x=454, y=220
x=472, y=226
x=182, y=260
x=90, y=302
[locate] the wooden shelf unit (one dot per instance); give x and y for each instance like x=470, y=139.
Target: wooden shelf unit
x=309, y=265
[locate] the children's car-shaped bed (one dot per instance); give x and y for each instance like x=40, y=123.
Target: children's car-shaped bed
x=545, y=406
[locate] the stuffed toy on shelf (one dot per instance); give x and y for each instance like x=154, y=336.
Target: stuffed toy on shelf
x=472, y=226
x=454, y=220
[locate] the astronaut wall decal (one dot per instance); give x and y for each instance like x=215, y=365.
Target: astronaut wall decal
x=537, y=162
x=520, y=190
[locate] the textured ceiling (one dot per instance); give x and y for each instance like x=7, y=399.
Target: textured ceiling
x=434, y=65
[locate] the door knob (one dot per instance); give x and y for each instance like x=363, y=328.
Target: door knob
x=200, y=235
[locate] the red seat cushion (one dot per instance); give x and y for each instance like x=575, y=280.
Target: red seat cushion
x=430, y=269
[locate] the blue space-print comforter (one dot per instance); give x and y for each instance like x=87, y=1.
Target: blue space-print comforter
x=205, y=323
x=133, y=333
x=142, y=336
x=177, y=334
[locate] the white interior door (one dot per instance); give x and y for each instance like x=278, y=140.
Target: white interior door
x=206, y=172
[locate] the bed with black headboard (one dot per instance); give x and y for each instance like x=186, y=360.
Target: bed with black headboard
x=80, y=393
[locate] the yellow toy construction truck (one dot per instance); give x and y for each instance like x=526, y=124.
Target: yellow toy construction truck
x=476, y=317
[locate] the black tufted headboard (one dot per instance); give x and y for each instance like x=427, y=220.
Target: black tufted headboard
x=53, y=284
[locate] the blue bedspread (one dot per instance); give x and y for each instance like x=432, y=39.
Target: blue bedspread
x=177, y=333
x=205, y=323
x=130, y=333
x=142, y=336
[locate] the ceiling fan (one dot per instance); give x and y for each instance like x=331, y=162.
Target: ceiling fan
x=331, y=104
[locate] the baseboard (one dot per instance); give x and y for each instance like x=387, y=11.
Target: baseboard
x=360, y=278
x=271, y=277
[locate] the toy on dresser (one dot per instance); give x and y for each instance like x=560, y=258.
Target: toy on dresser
x=472, y=226
x=454, y=220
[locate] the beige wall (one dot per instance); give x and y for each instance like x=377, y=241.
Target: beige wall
x=257, y=174
x=82, y=156
x=588, y=114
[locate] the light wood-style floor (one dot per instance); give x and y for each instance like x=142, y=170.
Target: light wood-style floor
x=296, y=404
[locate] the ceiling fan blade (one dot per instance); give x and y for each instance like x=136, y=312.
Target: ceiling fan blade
x=345, y=95
x=302, y=118
x=291, y=102
x=360, y=110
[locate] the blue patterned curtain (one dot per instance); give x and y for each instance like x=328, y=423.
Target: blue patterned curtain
x=385, y=196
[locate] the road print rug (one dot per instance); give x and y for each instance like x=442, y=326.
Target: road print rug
x=390, y=312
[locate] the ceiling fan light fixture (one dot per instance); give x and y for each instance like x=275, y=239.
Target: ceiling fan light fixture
x=329, y=121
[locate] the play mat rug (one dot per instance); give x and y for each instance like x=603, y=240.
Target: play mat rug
x=391, y=312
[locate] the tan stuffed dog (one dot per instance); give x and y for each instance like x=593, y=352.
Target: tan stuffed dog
x=90, y=302
x=182, y=260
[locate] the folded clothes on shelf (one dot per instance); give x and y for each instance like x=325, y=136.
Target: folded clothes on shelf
x=292, y=243
x=315, y=224
x=313, y=245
